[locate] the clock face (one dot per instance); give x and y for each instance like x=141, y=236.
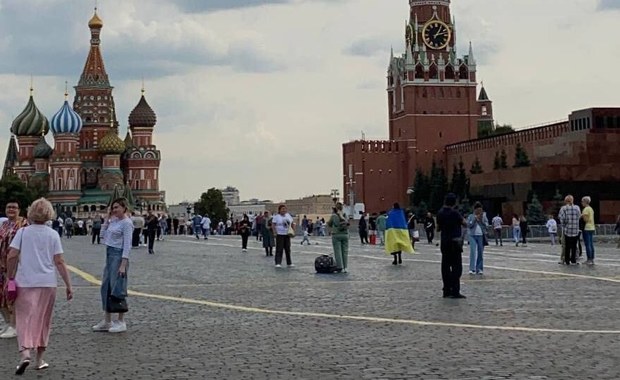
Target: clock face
x=436, y=34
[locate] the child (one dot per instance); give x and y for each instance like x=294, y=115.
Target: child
x=305, y=239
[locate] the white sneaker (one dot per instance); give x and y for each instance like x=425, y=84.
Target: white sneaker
x=345, y=270
x=278, y=266
x=291, y=266
x=102, y=326
x=8, y=333
x=244, y=250
x=118, y=327
x=472, y=272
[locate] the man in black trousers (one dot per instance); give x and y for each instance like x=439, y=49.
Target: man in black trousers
x=449, y=223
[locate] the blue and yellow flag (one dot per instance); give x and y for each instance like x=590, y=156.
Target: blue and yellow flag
x=396, y=234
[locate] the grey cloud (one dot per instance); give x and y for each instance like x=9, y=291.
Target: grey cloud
x=43, y=45
x=200, y=6
x=608, y=4
x=367, y=47
x=205, y=6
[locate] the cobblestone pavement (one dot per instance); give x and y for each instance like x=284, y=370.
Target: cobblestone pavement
x=208, y=311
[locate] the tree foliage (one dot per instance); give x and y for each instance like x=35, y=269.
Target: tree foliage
x=459, y=183
x=496, y=162
x=421, y=186
x=521, y=158
x=476, y=167
x=438, y=186
x=13, y=189
x=503, y=159
x=212, y=203
x=535, y=214
x=558, y=202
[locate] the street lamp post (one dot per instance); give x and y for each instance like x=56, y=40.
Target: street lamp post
x=335, y=195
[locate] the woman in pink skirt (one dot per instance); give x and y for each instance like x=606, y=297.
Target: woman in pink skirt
x=35, y=251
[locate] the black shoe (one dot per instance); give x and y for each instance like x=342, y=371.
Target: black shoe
x=151, y=252
x=338, y=270
x=458, y=296
x=400, y=260
x=446, y=295
x=394, y=262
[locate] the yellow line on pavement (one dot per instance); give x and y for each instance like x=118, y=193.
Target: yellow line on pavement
x=90, y=278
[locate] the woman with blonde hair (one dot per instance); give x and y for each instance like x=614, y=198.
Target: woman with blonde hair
x=8, y=229
x=117, y=234
x=35, y=252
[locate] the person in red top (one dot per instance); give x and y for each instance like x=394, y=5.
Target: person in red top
x=8, y=229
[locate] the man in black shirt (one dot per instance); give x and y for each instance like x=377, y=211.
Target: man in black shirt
x=449, y=223
x=429, y=227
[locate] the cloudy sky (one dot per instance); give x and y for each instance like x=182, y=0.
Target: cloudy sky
x=260, y=94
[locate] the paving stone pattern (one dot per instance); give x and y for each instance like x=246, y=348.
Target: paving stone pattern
x=170, y=339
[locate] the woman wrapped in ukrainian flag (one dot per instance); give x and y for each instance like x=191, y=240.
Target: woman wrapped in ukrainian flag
x=397, y=235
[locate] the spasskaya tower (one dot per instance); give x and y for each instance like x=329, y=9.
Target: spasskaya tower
x=432, y=102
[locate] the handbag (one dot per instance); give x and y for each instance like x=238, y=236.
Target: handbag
x=11, y=286
x=117, y=300
x=291, y=231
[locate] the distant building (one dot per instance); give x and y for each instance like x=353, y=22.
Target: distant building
x=230, y=195
x=179, y=209
x=312, y=205
x=252, y=208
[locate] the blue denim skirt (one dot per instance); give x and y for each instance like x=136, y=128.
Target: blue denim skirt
x=110, y=279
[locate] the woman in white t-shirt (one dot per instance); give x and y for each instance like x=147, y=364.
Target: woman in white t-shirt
x=280, y=224
x=552, y=227
x=35, y=253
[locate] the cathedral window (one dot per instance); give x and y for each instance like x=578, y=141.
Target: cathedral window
x=484, y=111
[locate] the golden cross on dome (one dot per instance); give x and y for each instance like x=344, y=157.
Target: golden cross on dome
x=66, y=90
x=142, y=85
x=31, y=84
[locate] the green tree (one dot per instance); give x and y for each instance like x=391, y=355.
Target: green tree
x=438, y=187
x=497, y=164
x=421, y=188
x=476, y=167
x=13, y=189
x=459, y=180
x=212, y=203
x=535, y=213
x=503, y=159
x=521, y=158
x=502, y=129
x=485, y=128
x=421, y=210
x=558, y=202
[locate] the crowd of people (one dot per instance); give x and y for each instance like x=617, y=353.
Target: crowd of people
x=31, y=253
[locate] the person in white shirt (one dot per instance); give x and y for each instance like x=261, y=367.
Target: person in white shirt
x=497, y=228
x=206, y=226
x=117, y=234
x=34, y=258
x=552, y=227
x=281, y=222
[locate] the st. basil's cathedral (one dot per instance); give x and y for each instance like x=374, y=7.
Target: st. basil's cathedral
x=89, y=160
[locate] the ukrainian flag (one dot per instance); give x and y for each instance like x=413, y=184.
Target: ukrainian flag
x=397, y=234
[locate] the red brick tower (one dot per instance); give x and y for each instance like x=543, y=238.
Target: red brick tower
x=95, y=104
x=142, y=158
x=431, y=103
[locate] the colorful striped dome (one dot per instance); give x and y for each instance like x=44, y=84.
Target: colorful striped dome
x=43, y=150
x=30, y=122
x=66, y=120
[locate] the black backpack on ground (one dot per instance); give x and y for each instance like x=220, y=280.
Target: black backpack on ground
x=324, y=264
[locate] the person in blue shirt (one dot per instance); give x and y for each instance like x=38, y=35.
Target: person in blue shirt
x=450, y=223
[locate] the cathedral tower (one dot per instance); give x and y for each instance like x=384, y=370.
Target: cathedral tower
x=65, y=163
x=28, y=127
x=95, y=104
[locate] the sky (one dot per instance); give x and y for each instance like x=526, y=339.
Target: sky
x=261, y=94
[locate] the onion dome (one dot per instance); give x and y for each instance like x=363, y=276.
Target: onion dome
x=95, y=22
x=111, y=143
x=66, y=120
x=142, y=115
x=30, y=122
x=43, y=150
